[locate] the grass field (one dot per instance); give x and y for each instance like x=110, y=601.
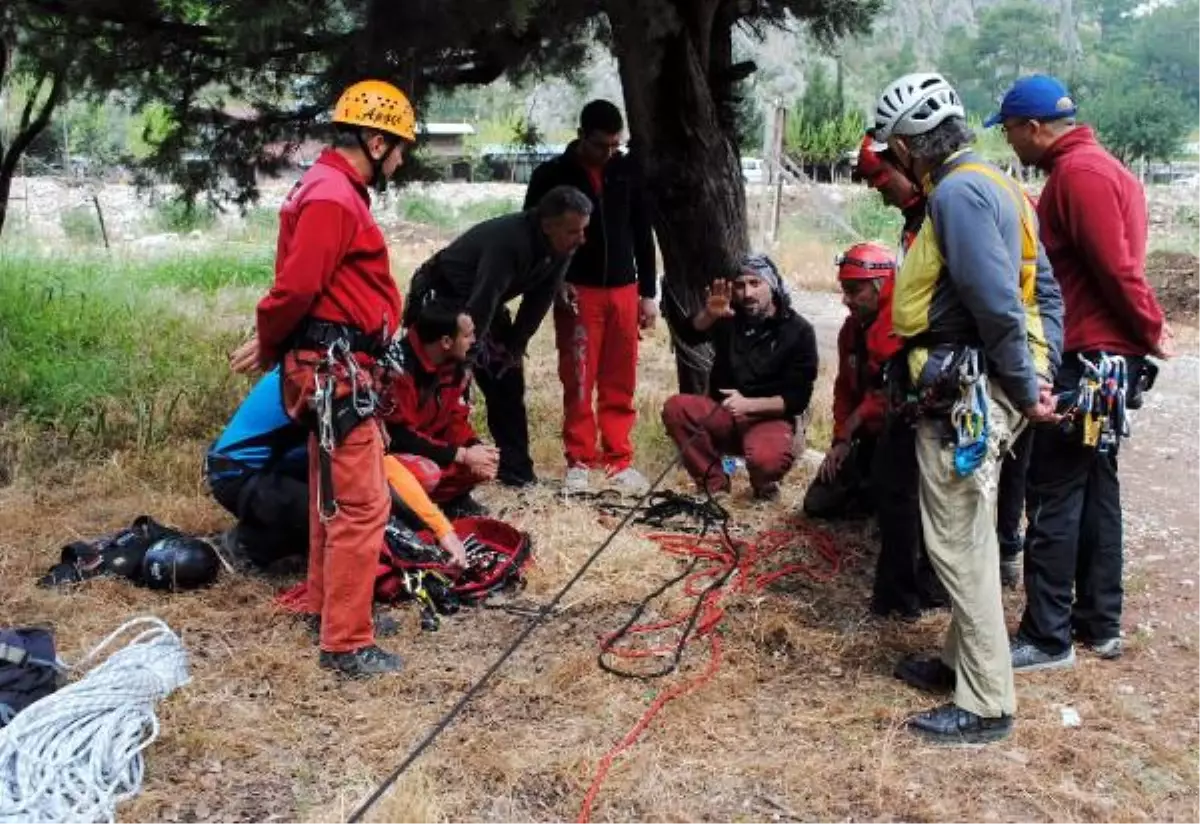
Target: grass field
x=114, y=382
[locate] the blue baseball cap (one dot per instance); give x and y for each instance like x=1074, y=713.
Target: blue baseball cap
x=1037, y=97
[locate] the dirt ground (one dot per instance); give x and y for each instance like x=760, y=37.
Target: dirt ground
x=1174, y=276
x=801, y=722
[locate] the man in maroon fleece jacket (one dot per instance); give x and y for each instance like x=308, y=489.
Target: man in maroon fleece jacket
x=1092, y=215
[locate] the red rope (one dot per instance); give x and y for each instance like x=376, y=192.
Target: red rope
x=744, y=558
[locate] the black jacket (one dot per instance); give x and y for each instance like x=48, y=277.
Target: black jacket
x=620, y=242
x=487, y=266
x=775, y=357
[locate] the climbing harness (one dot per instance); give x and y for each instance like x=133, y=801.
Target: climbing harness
x=969, y=417
x=338, y=413
x=1100, y=412
x=77, y=753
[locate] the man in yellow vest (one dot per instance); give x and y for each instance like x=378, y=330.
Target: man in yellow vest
x=981, y=319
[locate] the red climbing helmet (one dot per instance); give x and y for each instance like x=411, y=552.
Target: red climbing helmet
x=865, y=261
x=871, y=167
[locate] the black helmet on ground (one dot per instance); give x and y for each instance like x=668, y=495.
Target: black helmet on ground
x=178, y=563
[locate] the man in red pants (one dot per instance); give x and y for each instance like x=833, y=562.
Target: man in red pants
x=328, y=318
x=764, y=368
x=429, y=422
x=608, y=299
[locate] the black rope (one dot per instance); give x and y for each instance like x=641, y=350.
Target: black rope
x=536, y=622
x=663, y=510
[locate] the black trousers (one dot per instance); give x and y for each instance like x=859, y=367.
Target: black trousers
x=1010, y=504
x=905, y=581
x=508, y=423
x=1073, y=550
x=851, y=492
x=272, y=513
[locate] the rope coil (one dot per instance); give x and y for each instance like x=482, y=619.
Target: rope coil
x=77, y=753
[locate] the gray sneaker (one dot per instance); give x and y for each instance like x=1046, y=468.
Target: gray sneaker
x=1028, y=658
x=1109, y=649
x=361, y=663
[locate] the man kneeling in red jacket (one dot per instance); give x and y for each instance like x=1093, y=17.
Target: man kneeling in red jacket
x=429, y=422
x=865, y=343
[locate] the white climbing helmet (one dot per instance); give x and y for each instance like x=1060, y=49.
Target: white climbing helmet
x=915, y=104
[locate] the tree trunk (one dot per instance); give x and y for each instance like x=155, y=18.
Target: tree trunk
x=690, y=162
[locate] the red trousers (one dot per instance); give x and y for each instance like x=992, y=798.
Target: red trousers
x=343, y=551
x=442, y=485
x=597, y=356
x=705, y=432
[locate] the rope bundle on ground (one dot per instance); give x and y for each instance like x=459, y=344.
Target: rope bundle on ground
x=721, y=566
x=77, y=753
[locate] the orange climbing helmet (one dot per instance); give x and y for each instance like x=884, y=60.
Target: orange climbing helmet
x=376, y=104
x=865, y=261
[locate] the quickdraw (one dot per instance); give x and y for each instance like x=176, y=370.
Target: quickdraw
x=969, y=417
x=1100, y=411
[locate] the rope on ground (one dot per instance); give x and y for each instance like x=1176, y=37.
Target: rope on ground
x=732, y=566
x=516, y=644
x=77, y=753
x=664, y=510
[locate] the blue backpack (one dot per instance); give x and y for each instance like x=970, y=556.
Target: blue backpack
x=29, y=669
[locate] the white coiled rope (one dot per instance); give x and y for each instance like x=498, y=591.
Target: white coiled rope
x=77, y=753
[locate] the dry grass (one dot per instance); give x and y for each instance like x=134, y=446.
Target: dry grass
x=802, y=721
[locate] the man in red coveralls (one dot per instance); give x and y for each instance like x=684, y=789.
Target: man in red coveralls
x=608, y=300
x=1092, y=218
x=865, y=343
x=328, y=318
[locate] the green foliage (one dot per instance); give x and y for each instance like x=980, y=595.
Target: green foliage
x=819, y=129
x=181, y=216
x=418, y=207
x=80, y=225
x=103, y=363
x=1166, y=50
x=1015, y=38
x=208, y=274
x=1139, y=119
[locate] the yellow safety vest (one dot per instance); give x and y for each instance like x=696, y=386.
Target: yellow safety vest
x=922, y=268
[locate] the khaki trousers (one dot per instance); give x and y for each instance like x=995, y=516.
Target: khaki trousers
x=958, y=519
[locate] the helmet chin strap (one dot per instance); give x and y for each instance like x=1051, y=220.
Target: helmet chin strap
x=378, y=180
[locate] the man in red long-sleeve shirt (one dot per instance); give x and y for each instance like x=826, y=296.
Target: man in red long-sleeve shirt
x=328, y=319
x=1092, y=215
x=865, y=343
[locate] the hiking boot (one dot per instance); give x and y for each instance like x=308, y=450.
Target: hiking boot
x=514, y=481
x=385, y=626
x=1010, y=571
x=951, y=725
x=577, y=479
x=925, y=673
x=1109, y=649
x=767, y=492
x=464, y=506
x=1028, y=658
x=906, y=614
x=630, y=481
x=361, y=663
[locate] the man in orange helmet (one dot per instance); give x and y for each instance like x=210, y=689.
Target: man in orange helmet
x=329, y=319
x=865, y=343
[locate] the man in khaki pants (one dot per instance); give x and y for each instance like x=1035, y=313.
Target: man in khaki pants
x=981, y=318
